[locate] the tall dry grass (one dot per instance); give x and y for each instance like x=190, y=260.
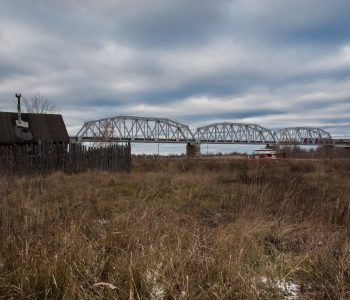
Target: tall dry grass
x=179, y=229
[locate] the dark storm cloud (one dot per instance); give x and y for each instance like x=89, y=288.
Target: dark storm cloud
x=145, y=24
x=322, y=34
x=277, y=63
x=179, y=23
x=296, y=21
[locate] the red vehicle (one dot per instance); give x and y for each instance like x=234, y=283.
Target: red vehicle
x=263, y=154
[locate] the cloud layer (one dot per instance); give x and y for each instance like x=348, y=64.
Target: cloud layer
x=277, y=63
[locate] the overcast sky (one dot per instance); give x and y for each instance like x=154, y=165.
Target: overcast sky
x=276, y=63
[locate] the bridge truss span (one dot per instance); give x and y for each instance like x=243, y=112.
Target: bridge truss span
x=163, y=130
x=228, y=133
x=303, y=136
x=132, y=128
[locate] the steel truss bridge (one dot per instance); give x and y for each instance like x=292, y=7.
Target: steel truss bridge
x=162, y=130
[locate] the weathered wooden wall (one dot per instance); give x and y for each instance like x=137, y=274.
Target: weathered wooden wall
x=48, y=157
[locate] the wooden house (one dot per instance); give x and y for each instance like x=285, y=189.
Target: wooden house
x=32, y=129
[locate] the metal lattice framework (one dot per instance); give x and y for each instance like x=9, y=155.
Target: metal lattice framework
x=303, y=135
x=226, y=133
x=131, y=128
x=162, y=130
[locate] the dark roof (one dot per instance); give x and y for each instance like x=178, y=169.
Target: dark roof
x=44, y=127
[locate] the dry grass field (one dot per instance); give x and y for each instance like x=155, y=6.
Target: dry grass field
x=179, y=229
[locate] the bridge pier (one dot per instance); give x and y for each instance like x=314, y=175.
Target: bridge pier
x=193, y=150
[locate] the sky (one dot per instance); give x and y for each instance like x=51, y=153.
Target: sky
x=275, y=63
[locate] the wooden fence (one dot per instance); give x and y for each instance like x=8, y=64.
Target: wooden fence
x=48, y=157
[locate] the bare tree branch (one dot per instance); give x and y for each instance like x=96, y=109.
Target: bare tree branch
x=39, y=104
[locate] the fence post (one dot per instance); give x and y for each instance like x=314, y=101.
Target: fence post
x=47, y=156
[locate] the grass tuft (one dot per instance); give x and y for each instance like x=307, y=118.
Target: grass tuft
x=179, y=229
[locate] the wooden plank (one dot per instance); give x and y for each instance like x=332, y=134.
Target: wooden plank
x=49, y=157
